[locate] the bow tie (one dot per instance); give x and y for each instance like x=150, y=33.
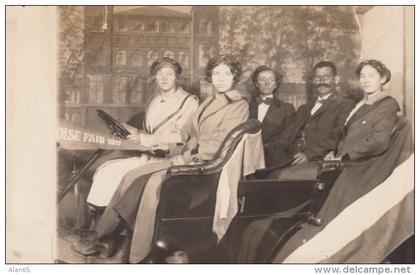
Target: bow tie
x=322, y=101
x=267, y=101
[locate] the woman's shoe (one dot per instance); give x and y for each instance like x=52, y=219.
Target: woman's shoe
x=108, y=247
x=87, y=247
x=80, y=235
x=120, y=257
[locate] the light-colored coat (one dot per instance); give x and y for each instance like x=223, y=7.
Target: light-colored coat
x=166, y=131
x=211, y=123
x=169, y=120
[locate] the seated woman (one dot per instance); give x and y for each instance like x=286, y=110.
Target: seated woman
x=366, y=138
x=211, y=123
x=368, y=127
x=165, y=115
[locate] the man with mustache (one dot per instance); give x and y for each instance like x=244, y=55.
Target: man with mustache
x=310, y=135
x=316, y=128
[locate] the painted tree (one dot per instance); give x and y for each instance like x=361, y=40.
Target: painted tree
x=74, y=51
x=328, y=33
x=71, y=52
x=291, y=39
x=71, y=40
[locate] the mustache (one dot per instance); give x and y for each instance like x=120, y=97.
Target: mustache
x=324, y=85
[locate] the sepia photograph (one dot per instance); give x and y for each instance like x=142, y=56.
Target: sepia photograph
x=210, y=134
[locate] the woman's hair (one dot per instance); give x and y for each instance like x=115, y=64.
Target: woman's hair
x=234, y=66
x=278, y=76
x=166, y=62
x=378, y=65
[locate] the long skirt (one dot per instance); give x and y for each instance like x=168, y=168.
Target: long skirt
x=135, y=201
x=109, y=175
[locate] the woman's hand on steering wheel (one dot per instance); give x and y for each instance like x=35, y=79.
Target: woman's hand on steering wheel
x=177, y=160
x=331, y=156
x=131, y=129
x=134, y=138
x=134, y=133
x=160, y=147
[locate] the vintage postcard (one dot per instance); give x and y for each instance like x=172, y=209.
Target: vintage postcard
x=209, y=134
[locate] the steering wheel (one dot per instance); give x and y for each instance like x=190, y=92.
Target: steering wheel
x=115, y=126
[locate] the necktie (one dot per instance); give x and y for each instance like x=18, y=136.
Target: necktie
x=267, y=100
x=318, y=104
x=322, y=101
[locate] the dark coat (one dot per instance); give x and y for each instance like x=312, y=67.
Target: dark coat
x=275, y=121
x=322, y=131
x=355, y=181
x=368, y=131
x=358, y=180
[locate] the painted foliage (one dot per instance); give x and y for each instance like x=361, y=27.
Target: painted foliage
x=292, y=39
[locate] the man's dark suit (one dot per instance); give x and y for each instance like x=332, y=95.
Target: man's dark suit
x=275, y=121
x=315, y=135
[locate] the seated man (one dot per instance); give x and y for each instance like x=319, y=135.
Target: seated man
x=316, y=128
x=369, y=140
x=273, y=113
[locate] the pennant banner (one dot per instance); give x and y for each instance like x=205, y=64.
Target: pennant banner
x=368, y=213
x=74, y=137
x=385, y=218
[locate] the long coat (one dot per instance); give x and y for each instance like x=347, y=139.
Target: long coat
x=165, y=131
x=368, y=140
x=321, y=131
x=368, y=131
x=137, y=196
x=373, y=139
x=274, y=123
x=211, y=123
x=166, y=127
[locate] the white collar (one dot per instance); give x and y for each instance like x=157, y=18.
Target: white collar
x=325, y=97
x=267, y=96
